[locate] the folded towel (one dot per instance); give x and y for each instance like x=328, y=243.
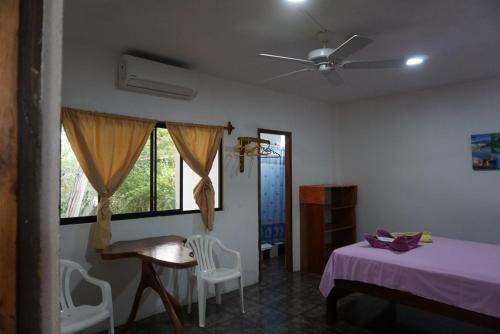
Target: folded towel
x=400, y=244
x=426, y=236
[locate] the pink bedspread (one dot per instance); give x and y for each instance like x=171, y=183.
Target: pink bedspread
x=461, y=273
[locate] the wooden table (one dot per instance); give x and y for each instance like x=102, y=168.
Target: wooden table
x=168, y=251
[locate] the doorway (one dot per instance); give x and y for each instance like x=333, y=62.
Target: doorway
x=275, y=200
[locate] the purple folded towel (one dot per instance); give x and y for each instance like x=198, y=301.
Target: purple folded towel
x=400, y=244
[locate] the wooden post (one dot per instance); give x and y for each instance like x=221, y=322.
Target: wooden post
x=9, y=35
x=29, y=178
x=331, y=303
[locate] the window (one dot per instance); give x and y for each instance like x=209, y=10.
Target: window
x=160, y=183
x=78, y=198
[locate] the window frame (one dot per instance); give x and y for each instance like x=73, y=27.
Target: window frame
x=153, y=191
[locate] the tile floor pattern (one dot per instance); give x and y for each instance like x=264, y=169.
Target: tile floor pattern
x=291, y=303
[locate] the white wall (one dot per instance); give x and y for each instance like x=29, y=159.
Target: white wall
x=89, y=83
x=410, y=155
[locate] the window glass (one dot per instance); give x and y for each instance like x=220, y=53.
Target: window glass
x=191, y=179
x=78, y=197
x=167, y=172
x=134, y=195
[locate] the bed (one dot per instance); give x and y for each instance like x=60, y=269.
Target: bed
x=455, y=278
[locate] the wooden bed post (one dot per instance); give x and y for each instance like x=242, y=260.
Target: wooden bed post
x=331, y=303
x=331, y=307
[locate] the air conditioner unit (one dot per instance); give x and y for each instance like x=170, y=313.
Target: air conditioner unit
x=154, y=78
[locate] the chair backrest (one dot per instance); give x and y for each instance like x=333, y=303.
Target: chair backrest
x=66, y=268
x=202, y=247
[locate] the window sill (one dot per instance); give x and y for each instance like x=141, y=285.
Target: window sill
x=127, y=216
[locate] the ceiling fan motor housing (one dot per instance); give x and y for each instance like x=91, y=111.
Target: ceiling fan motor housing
x=320, y=55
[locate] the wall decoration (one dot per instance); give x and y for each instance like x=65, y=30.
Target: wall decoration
x=486, y=151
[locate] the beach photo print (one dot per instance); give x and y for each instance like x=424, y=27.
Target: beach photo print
x=486, y=151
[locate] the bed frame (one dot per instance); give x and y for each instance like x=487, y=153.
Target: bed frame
x=344, y=287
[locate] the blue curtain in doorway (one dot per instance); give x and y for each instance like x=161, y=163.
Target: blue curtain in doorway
x=272, y=228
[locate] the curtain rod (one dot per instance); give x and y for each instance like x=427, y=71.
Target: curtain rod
x=229, y=127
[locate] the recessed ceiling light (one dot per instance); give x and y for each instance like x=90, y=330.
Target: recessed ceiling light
x=295, y=1
x=413, y=61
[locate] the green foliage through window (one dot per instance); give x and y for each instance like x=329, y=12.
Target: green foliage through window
x=134, y=194
x=78, y=198
x=167, y=171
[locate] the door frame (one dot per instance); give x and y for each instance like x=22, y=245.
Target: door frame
x=20, y=192
x=32, y=267
x=9, y=39
x=288, y=199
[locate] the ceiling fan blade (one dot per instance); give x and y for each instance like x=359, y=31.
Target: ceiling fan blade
x=374, y=64
x=287, y=74
x=333, y=77
x=297, y=60
x=349, y=47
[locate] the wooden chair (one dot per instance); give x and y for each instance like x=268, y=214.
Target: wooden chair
x=207, y=273
x=76, y=318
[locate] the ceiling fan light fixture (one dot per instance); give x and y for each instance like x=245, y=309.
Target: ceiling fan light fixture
x=416, y=60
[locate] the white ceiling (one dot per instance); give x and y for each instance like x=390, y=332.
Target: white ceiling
x=223, y=38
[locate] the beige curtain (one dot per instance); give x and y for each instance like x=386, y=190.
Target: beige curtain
x=107, y=148
x=198, y=145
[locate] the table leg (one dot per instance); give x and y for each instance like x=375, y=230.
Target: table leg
x=135, y=306
x=149, y=279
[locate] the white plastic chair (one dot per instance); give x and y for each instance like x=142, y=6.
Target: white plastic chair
x=75, y=318
x=207, y=273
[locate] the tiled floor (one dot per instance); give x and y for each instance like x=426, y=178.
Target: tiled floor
x=291, y=303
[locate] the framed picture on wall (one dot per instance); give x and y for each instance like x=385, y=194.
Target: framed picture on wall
x=486, y=151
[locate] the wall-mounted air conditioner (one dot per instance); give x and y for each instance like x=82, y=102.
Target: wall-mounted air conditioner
x=154, y=78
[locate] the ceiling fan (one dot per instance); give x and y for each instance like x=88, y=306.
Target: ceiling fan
x=327, y=61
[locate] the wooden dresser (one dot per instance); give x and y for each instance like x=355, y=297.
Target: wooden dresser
x=327, y=222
